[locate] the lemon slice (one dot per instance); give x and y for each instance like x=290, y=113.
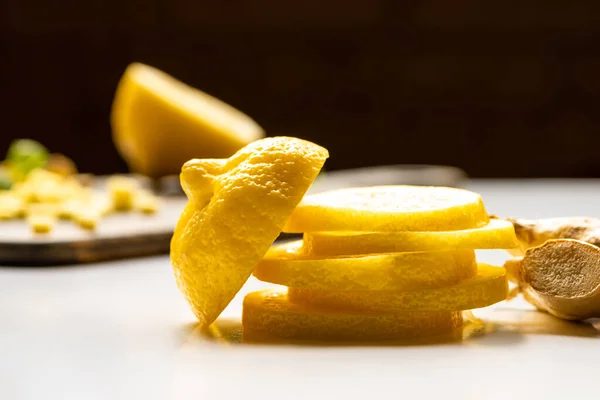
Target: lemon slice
x=389, y=209
x=159, y=123
x=269, y=314
x=236, y=210
x=498, y=234
x=488, y=287
x=288, y=265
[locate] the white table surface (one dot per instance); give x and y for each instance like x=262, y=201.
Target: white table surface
x=121, y=330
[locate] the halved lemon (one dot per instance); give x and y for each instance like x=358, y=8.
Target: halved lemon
x=159, y=123
x=236, y=210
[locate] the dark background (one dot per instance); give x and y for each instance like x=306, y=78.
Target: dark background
x=499, y=88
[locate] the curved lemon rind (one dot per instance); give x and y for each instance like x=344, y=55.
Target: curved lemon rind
x=233, y=217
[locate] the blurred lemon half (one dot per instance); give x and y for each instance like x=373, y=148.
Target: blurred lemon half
x=159, y=123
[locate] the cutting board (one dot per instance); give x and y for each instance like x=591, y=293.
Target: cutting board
x=119, y=235
x=123, y=235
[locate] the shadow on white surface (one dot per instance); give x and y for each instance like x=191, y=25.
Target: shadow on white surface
x=539, y=323
x=500, y=327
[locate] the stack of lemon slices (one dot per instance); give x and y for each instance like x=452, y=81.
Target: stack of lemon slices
x=377, y=263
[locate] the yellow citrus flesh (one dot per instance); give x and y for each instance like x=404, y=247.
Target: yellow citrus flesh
x=389, y=209
x=488, y=287
x=236, y=210
x=159, y=123
x=288, y=265
x=269, y=314
x=498, y=234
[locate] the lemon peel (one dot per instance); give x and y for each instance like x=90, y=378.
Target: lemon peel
x=389, y=209
x=289, y=265
x=498, y=234
x=270, y=314
x=489, y=286
x=236, y=210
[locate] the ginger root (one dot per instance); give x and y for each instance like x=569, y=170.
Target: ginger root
x=532, y=233
x=562, y=276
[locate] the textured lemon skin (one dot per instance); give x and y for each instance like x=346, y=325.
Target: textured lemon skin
x=389, y=209
x=488, y=287
x=269, y=314
x=236, y=210
x=498, y=234
x=159, y=123
x=289, y=265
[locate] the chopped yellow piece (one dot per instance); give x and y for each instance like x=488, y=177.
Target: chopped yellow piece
x=488, y=287
x=288, y=265
x=42, y=186
x=103, y=204
x=69, y=208
x=72, y=188
x=122, y=191
x=42, y=196
x=269, y=314
x=159, y=123
x=146, y=202
x=11, y=206
x=87, y=217
x=51, y=209
x=389, y=209
x=41, y=223
x=236, y=210
x=498, y=234
x=87, y=211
